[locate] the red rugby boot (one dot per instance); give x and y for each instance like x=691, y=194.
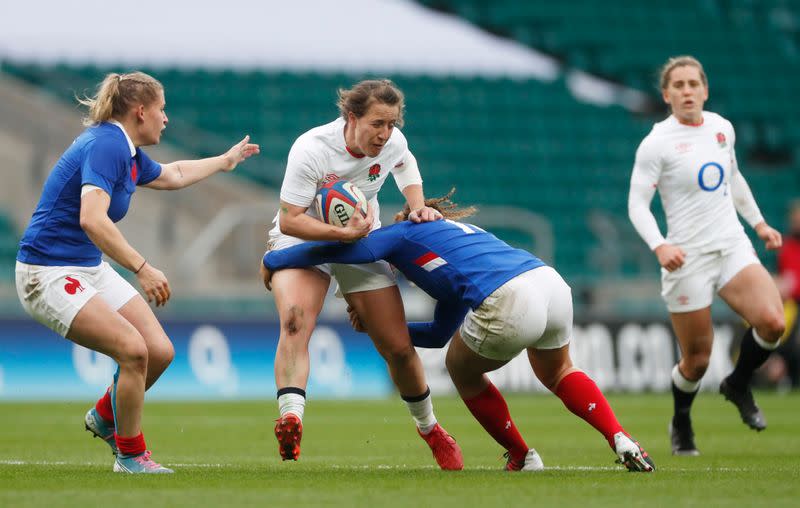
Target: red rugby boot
x=289, y=431
x=445, y=449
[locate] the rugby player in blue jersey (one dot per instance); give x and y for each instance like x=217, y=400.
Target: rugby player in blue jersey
x=61, y=279
x=494, y=301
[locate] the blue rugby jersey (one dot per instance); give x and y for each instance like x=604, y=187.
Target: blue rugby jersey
x=457, y=264
x=101, y=156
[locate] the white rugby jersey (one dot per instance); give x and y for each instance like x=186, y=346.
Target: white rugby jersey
x=321, y=154
x=695, y=171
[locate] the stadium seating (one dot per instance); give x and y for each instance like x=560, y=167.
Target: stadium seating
x=751, y=50
x=8, y=248
x=500, y=141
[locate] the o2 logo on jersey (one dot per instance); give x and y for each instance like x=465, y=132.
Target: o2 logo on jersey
x=710, y=176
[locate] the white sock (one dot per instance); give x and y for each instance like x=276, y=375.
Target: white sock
x=421, y=410
x=767, y=346
x=292, y=403
x=682, y=383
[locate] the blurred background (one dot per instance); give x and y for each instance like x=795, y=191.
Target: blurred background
x=532, y=109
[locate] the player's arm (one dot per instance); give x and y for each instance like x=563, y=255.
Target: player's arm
x=409, y=181
x=294, y=222
x=644, y=181
x=180, y=174
x=379, y=245
x=102, y=231
x=435, y=334
x=746, y=205
x=317, y=253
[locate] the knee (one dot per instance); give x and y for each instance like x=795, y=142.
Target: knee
x=772, y=326
x=551, y=379
x=133, y=354
x=399, y=355
x=161, y=353
x=292, y=323
x=694, y=366
x=550, y=373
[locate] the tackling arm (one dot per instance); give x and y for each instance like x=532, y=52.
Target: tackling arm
x=436, y=333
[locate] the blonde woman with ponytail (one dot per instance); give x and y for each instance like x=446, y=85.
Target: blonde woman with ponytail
x=61, y=279
x=689, y=158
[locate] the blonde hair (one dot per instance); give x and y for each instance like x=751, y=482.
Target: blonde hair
x=443, y=205
x=680, y=61
x=118, y=93
x=360, y=97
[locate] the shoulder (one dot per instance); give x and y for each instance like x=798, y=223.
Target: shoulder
x=398, y=141
x=719, y=120
x=322, y=135
x=652, y=144
x=108, y=142
x=318, y=141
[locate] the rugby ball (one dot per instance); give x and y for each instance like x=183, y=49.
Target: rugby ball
x=336, y=202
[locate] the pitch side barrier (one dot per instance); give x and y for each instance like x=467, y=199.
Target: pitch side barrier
x=235, y=360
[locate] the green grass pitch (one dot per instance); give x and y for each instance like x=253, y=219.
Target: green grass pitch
x=366, y=453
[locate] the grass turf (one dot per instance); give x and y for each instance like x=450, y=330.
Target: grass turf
x=366, y=453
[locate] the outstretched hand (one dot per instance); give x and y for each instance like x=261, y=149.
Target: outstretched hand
x=239, y=152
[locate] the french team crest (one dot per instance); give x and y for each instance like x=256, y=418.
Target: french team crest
x=721, y=140
x=374, y=172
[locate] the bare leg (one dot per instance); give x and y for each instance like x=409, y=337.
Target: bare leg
x=695, y=334
x=299, y=296
x=160, y=351
x=468, y=371
x=382, y=315
x=754, y=296
x=100, y=328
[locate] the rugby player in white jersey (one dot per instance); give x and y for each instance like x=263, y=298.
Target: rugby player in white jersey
x=689, y=158
x=363, y=146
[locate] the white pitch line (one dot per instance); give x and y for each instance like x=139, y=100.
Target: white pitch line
x=381, y=467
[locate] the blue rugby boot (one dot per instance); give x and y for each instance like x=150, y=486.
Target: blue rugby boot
x=139, y=464
x=100, y=428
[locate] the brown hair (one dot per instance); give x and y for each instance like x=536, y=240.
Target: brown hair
x=362, y=95
x=680, y=61
x=443, y=205
x=117, y=93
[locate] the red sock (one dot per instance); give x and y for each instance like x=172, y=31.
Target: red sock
x=582, y=396
x=491, y=410
x=104, y=408
x=130, y=445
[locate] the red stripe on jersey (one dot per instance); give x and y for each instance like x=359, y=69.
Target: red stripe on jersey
x=356, y=155
x=702, y=120
x=134, y=172
x=425, y=258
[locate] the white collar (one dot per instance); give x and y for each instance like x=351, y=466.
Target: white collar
x=127, y=138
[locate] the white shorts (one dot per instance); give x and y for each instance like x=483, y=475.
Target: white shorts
x=53, y=295
x=350, y=278
x=692, y=286
x=532, y=310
